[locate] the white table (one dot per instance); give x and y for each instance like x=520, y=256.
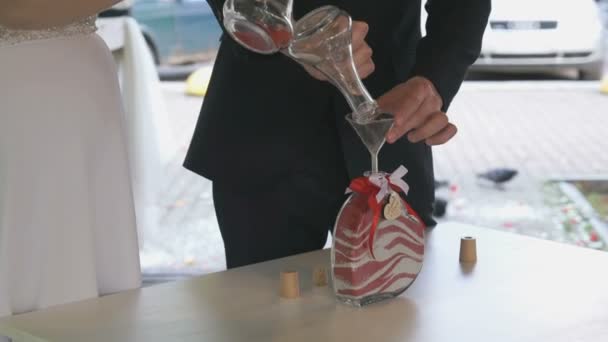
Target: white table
x=521, y=289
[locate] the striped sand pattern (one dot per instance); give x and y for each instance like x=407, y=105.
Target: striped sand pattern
x=398, y=248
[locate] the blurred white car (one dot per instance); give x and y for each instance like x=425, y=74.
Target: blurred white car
x=542, y=35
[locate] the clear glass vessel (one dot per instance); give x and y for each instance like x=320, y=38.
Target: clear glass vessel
x=262, y=26
x=322, y=39
x=375, y=260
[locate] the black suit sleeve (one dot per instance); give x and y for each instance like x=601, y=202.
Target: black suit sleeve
x=454, y=30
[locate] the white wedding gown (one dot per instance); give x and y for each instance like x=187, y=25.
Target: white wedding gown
x=67, y=223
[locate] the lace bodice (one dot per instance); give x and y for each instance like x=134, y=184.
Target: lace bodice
x=13, y=36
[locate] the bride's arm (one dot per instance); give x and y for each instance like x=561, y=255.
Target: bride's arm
x=40, y=14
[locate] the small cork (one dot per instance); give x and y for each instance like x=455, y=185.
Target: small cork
x=319, y=276
x=468, y=249
x=290, y=284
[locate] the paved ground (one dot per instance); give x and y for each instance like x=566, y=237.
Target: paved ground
x=187, y=239
x=544, y=129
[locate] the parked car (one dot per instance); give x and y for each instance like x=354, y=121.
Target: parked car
x=177, y=31
x=542, y=35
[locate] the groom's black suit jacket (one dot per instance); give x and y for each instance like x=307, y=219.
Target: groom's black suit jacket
x=265, y=118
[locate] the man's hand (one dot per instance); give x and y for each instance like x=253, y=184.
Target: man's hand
x=362, y=53
x=417, y=109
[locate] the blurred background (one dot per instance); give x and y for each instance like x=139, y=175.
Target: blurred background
x=530, y=157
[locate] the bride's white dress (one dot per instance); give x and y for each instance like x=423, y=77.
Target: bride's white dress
x=67, y=223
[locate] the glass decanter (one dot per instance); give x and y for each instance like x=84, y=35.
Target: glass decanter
x=378, y=242
x=322, y=39
x=262, y=26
